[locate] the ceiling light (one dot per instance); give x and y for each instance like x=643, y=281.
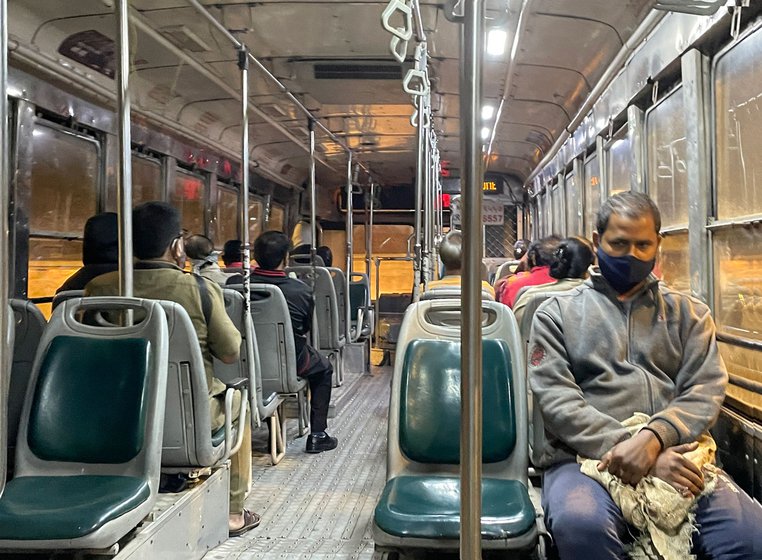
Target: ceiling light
x=485, y=132
x=496, y=40
x=487, y=112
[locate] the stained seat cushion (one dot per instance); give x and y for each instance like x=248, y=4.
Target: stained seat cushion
x=66, y=507
x=428, y=507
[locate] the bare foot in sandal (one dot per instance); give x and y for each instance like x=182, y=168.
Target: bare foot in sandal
x=240, y=523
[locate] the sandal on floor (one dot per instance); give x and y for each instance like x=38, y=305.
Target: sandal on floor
x=250, y=521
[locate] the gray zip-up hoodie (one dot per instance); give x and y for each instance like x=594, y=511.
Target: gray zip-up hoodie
x=594, y=361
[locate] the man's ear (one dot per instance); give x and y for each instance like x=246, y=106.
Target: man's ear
x=596, y=240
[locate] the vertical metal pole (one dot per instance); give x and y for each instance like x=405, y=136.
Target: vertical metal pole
x=695, y=69
x=368, y=231
x=350, y=227
x=313, y=197
x=124, y=185
x=472, y=40
x=243, y=64
x=419, y=180
x=5, y=175
x=428, y=214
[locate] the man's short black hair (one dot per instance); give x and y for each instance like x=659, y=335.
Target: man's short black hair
x=630, y=204
x=154, y=226
x=232, y=251
x=270, y=249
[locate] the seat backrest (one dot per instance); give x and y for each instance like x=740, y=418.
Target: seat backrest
x=95, y=401
x=424, y=409
x=532, y=301
x=505, y=269
x=275, y=338
x=451, y=292
x=304, y=260
x=359, y=298
x=326, y=305
x=247, y=366
x=432, y=368
x=61, y=297
x=29, y=325
x=187, y=425
x=340, y=288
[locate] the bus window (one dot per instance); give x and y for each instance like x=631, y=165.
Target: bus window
x=573, y=217
x=277, y=219
x=738, y=123
x=146, y=180
x=255, y=218
x=619, y=158
x=188, y=198
x=557, y=209
x=388, y=241
x=64, y=174
x=667, y=181
x=592, y=194
x=226, y=217
x=674, y=261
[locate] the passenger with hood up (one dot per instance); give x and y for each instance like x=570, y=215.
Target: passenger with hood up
x=100, y=251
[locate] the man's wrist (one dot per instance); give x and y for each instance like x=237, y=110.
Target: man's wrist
x=655, y=437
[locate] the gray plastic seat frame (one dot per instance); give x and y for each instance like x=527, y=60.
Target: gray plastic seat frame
x=327, y=334
x=28, y=328
x=187, y=435
x=65, y=322
x=451, y=292
x=440, y=320
x=362, y=323
x=277, y=359
x=249, y=366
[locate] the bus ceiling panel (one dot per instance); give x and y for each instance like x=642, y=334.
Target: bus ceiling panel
x=292, y=29
x=541, y=114
x=582, y=45
x=623, y=17
x=563, y=86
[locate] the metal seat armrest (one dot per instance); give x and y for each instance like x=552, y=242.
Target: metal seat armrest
x=232, y=447
x=237, y=383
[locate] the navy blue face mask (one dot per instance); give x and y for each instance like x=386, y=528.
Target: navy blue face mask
x=623, y=273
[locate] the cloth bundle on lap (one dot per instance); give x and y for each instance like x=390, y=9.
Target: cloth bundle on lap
x=664, y=517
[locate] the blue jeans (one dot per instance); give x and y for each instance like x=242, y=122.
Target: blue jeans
x=585, y=522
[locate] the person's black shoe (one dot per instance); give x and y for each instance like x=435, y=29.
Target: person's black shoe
x=319, y=442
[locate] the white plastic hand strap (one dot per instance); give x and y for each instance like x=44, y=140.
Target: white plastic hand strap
x=416, y=82
x=398, y=48
x=405, y=32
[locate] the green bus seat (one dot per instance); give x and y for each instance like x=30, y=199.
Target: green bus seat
x=428, y=507
x=420, y=504
x=89, y=444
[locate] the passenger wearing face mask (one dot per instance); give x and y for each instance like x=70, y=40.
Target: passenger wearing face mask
x=620, y=344
x=158, y=244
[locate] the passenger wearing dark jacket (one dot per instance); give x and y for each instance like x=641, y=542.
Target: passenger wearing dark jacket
x=620, y=344
x=100, y=251
x=271, y=252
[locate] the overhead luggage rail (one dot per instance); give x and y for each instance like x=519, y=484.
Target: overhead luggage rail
x=77, y=487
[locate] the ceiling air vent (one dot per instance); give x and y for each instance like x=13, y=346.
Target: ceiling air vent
x=363, y=71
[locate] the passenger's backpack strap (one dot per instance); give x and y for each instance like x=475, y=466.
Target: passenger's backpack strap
x=206, y=300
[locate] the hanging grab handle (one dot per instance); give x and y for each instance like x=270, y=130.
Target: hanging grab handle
x=398, y=48
x=405, y=32
x=416, y=82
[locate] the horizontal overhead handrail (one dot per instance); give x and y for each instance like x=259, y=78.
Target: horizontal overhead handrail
x=280, y=85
